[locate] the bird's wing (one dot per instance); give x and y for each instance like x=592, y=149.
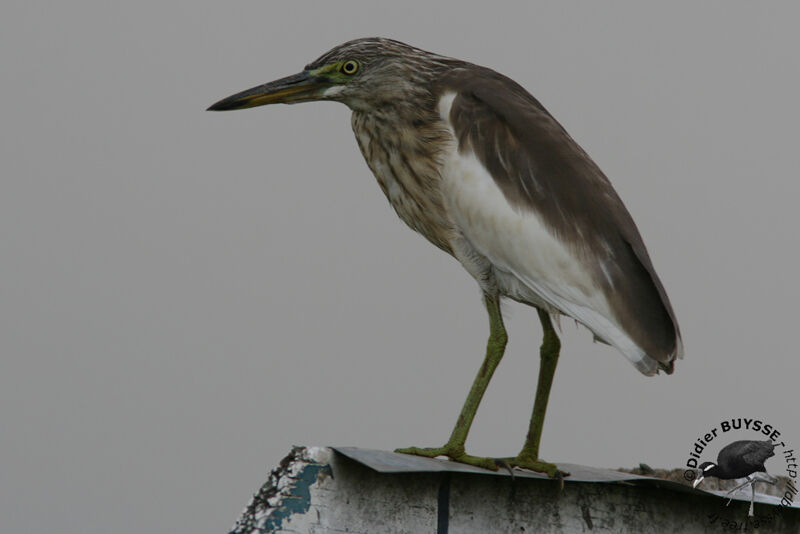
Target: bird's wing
x=752, y=453
x=557, y=203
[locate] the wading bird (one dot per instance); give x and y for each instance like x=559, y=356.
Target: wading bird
x=738, y=460
x=473, y=162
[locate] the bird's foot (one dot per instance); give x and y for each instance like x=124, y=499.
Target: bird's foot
x=526, y=461
x=455, y=453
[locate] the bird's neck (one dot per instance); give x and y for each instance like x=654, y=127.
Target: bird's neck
x=401, y=146
x=713, y=472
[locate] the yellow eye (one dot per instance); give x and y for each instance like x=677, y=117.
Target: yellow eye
x=350, y=67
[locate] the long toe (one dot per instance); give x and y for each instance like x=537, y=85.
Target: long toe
x=457, y=454
x=428, y=452
x=454, y=453
x=534, y=464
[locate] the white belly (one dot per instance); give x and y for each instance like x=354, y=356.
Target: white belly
x=514, y=242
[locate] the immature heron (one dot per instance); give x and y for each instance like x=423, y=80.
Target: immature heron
x=474, y=163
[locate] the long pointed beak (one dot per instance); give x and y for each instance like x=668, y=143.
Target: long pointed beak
x=301, y=87
x=697, y=481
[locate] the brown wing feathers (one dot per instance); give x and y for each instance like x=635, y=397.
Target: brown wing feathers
x=539, y=167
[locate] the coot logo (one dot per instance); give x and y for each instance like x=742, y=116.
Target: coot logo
x=741, y=448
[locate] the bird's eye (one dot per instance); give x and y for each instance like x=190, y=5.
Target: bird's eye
x=350, y=67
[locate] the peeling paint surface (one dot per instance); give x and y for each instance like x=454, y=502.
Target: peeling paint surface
x=286, y=493
x=319, y=491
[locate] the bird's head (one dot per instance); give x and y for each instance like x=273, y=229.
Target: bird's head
x=363, y=74
x=705, y=466
x=706, y=469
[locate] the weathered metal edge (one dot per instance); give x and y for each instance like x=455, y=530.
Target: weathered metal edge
x=396, y=463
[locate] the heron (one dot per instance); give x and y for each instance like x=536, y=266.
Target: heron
x=741, y=459
x=472, y=161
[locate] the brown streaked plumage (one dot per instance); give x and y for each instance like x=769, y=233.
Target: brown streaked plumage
x=407, y=172
x=473, y=162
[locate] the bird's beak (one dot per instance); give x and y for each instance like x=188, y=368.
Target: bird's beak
x=697, y=481
x=301, y=87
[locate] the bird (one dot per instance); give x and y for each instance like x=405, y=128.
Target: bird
x=474, y=163
x=738, y=460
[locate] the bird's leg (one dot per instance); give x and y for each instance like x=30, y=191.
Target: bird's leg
x=758, y=477
x=750, y=481
x=766, y=477
x=528, y=457
x=495, y=347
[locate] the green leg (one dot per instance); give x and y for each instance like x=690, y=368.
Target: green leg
x=495, y=347
x=528, y=457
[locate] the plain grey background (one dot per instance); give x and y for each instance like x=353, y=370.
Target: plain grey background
x=184, y=295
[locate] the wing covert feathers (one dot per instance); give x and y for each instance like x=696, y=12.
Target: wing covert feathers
x=540, y=168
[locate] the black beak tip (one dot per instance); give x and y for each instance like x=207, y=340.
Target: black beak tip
x=223, y=105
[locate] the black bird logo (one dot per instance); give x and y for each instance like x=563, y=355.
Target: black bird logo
x=741, y=459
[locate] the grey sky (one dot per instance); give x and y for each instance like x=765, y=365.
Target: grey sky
x=184, y=295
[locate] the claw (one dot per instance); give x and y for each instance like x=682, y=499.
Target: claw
x=499, y=462
x=534, y=464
